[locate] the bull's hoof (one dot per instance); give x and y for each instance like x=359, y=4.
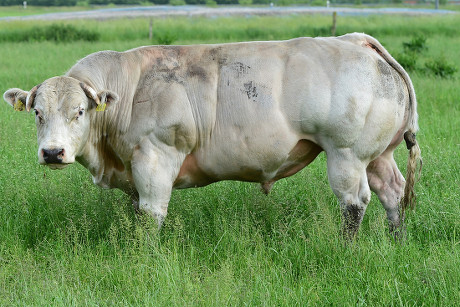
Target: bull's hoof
x=349, y=234
x=136, y=207
x=398, y=233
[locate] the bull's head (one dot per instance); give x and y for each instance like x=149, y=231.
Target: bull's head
x=63, y=109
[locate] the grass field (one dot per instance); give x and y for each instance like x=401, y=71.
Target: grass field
x=64, y=241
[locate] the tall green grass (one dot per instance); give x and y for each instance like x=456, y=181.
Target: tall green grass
x=227, y=29
x=64, y=241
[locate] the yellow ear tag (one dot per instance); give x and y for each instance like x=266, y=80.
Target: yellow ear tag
x=19, y=105
x=101, y=107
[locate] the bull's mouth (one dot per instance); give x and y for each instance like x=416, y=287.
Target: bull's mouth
x=54, y=166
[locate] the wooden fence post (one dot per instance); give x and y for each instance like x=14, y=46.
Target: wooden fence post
x=334, y=22
x=151, y=29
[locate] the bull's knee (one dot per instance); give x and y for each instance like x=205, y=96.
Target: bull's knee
x=364, y=192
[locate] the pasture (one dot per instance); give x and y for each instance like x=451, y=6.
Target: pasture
x=64, y=241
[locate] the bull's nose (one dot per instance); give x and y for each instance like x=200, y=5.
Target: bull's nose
x=53, y=156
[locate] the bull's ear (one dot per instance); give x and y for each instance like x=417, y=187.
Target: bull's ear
x=16, y=98
x=102, y=99
x=108, y=97
x=21, y=100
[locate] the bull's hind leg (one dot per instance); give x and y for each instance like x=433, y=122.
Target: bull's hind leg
x=348, y=179
x=387, y=182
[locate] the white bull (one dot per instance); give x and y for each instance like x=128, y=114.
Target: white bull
x=187, y=116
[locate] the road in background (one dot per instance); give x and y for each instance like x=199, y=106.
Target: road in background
x=195, y=10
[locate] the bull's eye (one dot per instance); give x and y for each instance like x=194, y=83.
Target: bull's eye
x=38, y=116
x=80, y=113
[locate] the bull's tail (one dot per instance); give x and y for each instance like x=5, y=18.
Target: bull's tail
x=408, y=200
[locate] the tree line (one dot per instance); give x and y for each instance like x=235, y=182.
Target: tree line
x=180, y=2
x=121, y=2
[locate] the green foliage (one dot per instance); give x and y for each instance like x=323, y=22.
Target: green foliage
x=284, y=2
x=53, y=32
x=416, y=45
x=165, y=38
x=407, y=60
x=84, y=3
x=113, y=2
x=211, y=3
x=318, y=3
x=227, y=2
x=40, y=2
x=441, y=68
x=245, y=2
x=437, y=65
x=177, y=2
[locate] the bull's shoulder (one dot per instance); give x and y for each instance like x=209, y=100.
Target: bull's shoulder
x=96, y=60
x=97, y=67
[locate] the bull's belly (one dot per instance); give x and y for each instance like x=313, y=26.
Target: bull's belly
x=195, y=172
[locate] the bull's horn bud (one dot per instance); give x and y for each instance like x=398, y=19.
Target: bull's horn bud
x=90, y=92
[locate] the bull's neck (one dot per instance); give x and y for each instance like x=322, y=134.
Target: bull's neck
x=91, y=160
x=103, y=161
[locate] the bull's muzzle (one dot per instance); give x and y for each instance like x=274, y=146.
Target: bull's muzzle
x=53, y=156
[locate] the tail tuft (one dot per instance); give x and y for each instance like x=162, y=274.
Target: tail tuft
x=409, y=137
x=409, y=198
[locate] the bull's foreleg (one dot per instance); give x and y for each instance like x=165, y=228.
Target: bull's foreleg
x=387, y=182
x=348, y=179
x=135, y=202
x=154, y=170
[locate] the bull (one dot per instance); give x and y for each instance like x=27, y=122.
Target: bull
x=158, y=118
